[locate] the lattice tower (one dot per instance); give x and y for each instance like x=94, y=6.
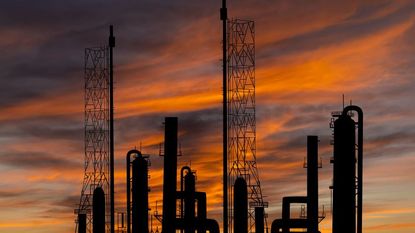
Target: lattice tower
x=241, y=116
x=97, y=157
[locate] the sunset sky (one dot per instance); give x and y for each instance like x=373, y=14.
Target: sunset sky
x=167, y=63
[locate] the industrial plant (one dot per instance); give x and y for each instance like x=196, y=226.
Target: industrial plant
x=184, y=208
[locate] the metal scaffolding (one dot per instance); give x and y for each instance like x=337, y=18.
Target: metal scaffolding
x=97, y=133
x=241, y=116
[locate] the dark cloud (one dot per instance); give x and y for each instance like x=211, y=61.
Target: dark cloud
x=193, y=126
x=67, y=201
x=346, y=30
x=390, y=144
x=11, y=194
x=57, y=32
x=68, y=128
x=36, y=160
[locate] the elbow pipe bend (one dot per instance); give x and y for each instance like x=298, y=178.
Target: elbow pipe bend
x=212, y=226
x=276, y=226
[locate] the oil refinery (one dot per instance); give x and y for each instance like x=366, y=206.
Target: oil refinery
x=184, y=209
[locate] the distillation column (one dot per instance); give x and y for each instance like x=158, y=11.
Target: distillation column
x=344, y=183
x=139, y=192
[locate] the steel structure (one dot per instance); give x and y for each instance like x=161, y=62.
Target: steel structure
x=97, y=133
x=241, y=116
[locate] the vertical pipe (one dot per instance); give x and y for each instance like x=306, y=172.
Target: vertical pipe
x=344, y=174
x=286, y=212
x=201, y=212
x=359, y=164
x=360, y=175
x=151, y=223
x=189, y=203
x=111, y=43
x=98, y=211
x=259, y=219
x=170, y=175
x=140, y=195
x=122, y=220
x=81, y=223
x=240, y=206
x=312, y=184
x=224, y=17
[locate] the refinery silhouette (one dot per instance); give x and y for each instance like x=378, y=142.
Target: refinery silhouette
x=184, y=209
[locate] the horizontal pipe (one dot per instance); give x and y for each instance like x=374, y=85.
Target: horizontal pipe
x=211, y=225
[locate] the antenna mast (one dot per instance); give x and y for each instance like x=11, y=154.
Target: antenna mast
x=224, y=17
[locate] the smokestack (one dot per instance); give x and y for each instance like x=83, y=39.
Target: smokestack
x=98, y=211
x=240, y=206
x=312, y=184
x=344, y=174
x=140, y=195
x=170, y=175
x=259, y=219
x=81, y=223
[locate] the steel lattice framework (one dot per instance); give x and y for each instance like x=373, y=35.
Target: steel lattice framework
x=97, y=160
x=241, y=116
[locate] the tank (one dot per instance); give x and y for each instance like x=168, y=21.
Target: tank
x=344, y=176
x=98, y=211
x=240, y=206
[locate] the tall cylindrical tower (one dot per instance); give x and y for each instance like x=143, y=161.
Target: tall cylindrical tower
x=140, y=195
x=170, y=175
x=344, y=176
x=240, y=206
x=81, y=223
x=98, y=211
x=259, y=219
